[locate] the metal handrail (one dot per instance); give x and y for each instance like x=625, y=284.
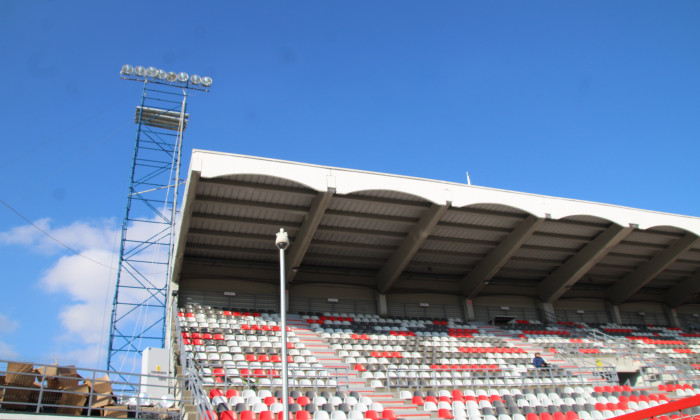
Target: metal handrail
x=44, y=386
x=537, y=377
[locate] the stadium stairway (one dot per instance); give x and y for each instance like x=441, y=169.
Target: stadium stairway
x=327, y=357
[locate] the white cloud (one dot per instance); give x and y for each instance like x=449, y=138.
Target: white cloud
x=24, y=235
x=7, y=325
x=7, y=351
x=79, y=236
x=88, y=286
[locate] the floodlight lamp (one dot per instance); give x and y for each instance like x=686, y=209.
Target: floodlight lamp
x=127, y=69
x=171, y=76
x=206, y=81
x=140, y=71
x=195, y=80
x=151, y=71
x=182, y=77
x=160, y=74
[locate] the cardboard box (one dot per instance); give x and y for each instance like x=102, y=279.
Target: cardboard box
x=20, y=374
x=50, y=375
x=68, y=376
x=101, y=392
x=116, y=411
x=75, y=397
x=19, y=399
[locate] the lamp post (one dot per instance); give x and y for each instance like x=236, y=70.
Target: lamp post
x=282, y=243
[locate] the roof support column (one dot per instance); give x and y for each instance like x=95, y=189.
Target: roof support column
x=468, y=307
x=484, y=271
x=672, y=316
x=306, y=232
x=614, y=313
x=393, y=268
x=381, y=305
x=548, y=312
x=631, y=283
x=561, y=279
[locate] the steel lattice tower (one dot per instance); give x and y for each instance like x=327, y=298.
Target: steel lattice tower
x=139, y=311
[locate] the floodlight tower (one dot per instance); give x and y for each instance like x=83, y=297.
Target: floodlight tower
x=140, y=306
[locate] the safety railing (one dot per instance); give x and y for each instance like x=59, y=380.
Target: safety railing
x=427, y=378
x=53, y=389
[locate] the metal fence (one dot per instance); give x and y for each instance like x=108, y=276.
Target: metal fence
x=53, y=389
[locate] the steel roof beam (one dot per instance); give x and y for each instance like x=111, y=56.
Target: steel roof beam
x=473, y=282
x=393, y=268
x=556, y=284
x=306, y=232
x=631, y=283
x=683, y=291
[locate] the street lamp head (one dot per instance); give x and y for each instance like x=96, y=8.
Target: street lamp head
x=282, y=241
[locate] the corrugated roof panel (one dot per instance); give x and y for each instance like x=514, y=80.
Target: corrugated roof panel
x=683, y=266
x=437, y=269
x=555, y=242
x=232, y=254
x=265, y=180
x=393, y=196
x=542, y=254
x=461, y=216
x=456, y=247
x=636, y=249
x=316, y=248
x=442, y=258
x=535, y=266
x=357, y=205
x=357, y=239
x=621, y=261
x=468, y=234
x=652, y=237
x=367, y=224
x=557, y=227
x=692, y=254
x=609, y=271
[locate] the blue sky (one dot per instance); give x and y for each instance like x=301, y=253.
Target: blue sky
x=590, y=100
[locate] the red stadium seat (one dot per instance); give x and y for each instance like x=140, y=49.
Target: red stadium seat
x=445, y=413
x=266, y=415
x=572, y=415
x=302, y=415
x=247, y=415
x=416, y=400
x=229, y=415
x=388, y=415
x=371, y=414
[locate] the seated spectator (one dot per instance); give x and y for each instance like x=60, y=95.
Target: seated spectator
x=539, y=362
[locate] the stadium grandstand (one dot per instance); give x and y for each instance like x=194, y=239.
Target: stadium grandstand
x=407, y=298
